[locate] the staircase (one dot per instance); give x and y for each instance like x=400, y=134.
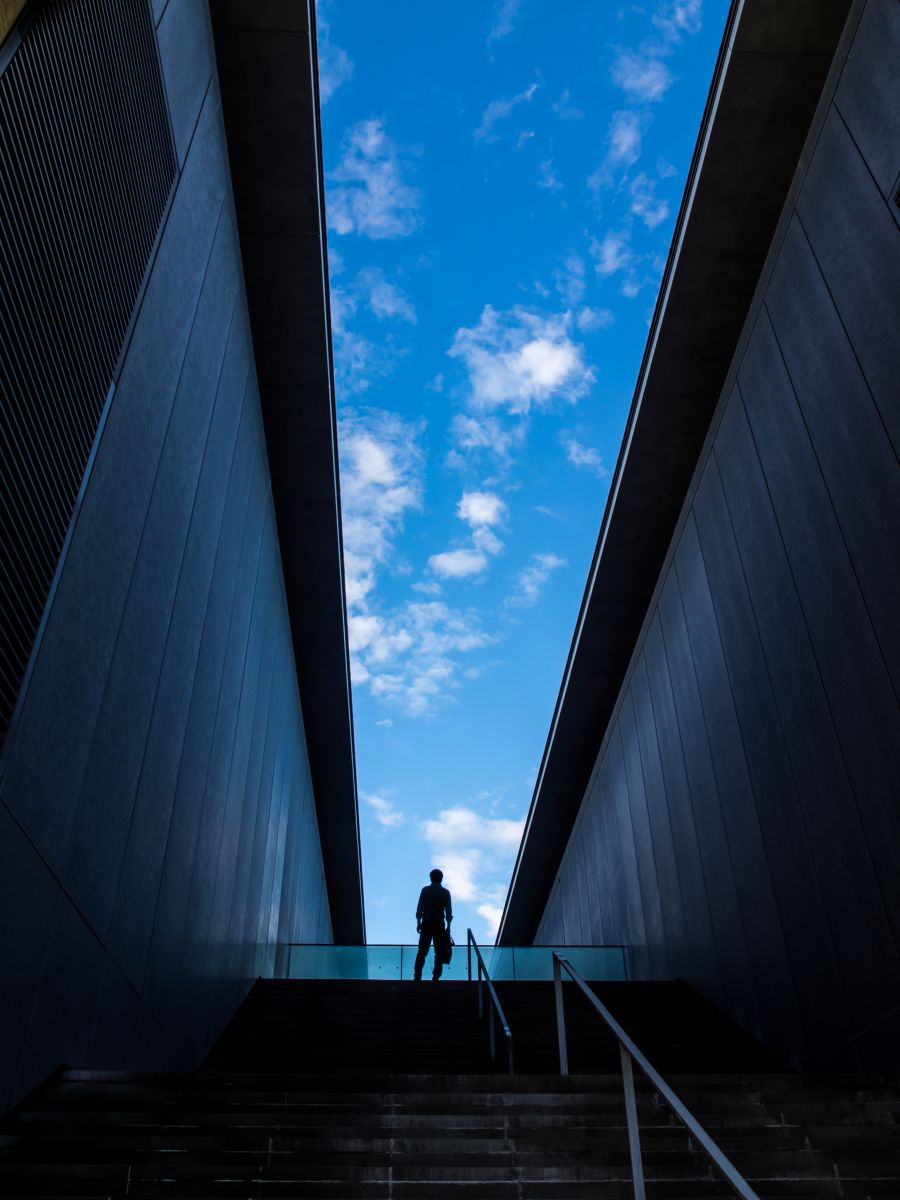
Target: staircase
x=357, y=1089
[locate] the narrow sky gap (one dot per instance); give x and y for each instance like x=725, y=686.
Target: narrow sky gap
x=501, y=186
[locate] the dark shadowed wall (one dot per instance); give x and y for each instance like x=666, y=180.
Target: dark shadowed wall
x=742, y=824
x=157, y=827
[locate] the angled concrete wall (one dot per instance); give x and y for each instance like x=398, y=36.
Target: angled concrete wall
x=158, y=833
x=741, y=828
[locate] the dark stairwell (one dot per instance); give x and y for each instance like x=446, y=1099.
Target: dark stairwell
x=375, y=1089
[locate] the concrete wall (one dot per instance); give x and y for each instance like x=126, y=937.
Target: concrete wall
x=742, y=828
x=157, y=824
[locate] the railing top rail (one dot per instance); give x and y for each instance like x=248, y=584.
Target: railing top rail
x=728, y=1169
x=491, y=989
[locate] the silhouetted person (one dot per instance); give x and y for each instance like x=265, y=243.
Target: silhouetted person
x=434, y=905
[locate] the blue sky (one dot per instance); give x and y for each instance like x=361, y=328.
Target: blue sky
x=502, y=180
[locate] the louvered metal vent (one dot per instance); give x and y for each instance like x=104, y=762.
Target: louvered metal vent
x=86, y=167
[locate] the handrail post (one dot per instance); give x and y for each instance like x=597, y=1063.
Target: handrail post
x=469, y=954
x=560, y=1017
x=630, y=1054
x=634, y=1135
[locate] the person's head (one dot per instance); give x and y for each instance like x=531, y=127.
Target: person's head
x=436, y=876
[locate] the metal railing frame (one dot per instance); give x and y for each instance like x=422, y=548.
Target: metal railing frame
x=495, y=1005
x=629, y=1053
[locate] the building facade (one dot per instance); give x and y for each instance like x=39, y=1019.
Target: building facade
x=721, y=786
x=177, y=781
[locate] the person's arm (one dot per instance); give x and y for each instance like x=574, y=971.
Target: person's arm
x=419, y=912
x=448, y=908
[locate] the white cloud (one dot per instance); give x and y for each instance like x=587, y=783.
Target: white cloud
x=381, y=482
x=612, y=254
x=570, y=279
x=385, y=299
x=459, y=564
x=531, y=581
x=499, y=110
x=645, y=203
x=335, y=66
x=416, y=660
x=564, y=110
x=640, y=77
x=493, y=914
x=385, y=723
x=524, y=137
x=475, y=853
x=480, y=511
x=481, y=508
x=359, y=361
x=374, y=200
x=410, y=655
x=504, y=21
x=583, y=456
x=623, y=147
x=385, y=813
x=519, y=358
x=589, y=320
x=625, y=135
x=428, y=587
x=471, y=435
x=678, y=17
x=548, y=179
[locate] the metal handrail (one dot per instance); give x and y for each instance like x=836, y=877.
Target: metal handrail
x=628, y=1051
x=495, y=1001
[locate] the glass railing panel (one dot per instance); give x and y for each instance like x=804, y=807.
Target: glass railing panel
x=454, y=969
x=594, y=963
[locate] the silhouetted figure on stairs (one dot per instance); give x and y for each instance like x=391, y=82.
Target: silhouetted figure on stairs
x=434, y=905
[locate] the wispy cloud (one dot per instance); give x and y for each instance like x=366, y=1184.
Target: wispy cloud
x=519, y=358
x=612, y=253
x=499, y=110
x=471, y=435
x=564, y=109
x=645, y=203
x=570, y=279
x=548, y=180
x=531, y=581
x=372, y=198
x=409, y=654
x=361, y=361
x=504, y=22
x=424, y=672
x=385, y=299
x=475, y=853
x=678, y=17
x=384, y=811
x=641, y=77
x=335, y=66
x=585, y=457
x=589, y=320
x=623, y=148
x=382, y=463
